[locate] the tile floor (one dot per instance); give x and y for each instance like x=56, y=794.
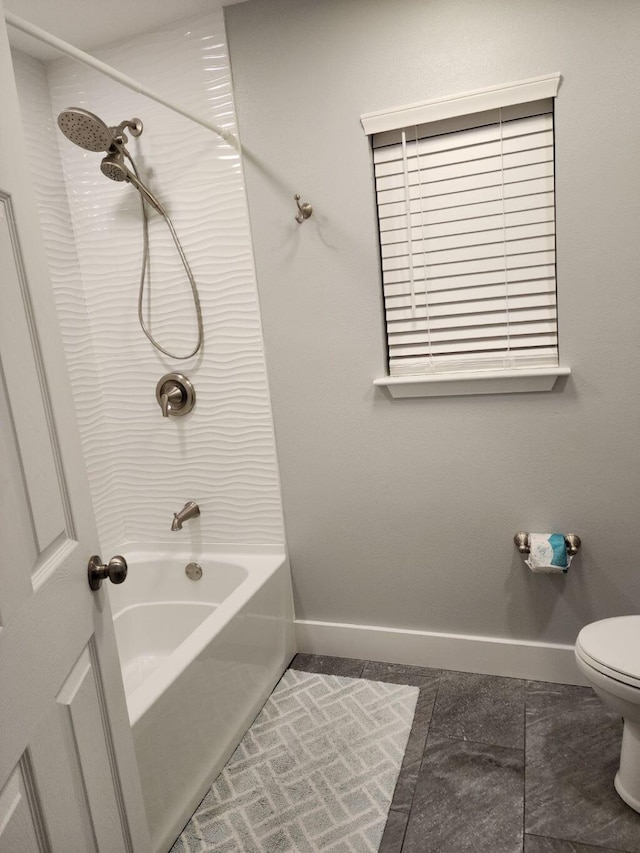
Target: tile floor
x=501, y=765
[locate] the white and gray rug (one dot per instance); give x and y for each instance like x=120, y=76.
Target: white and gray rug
x=316, y=770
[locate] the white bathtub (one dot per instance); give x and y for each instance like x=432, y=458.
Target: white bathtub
x=199, y=659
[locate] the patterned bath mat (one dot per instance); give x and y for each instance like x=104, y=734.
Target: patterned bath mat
x=316, y=771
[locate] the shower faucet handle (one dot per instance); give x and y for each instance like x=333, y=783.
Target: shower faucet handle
x=175, y=395
x=170, y=399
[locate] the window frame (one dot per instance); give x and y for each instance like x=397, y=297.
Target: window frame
x=452, y=108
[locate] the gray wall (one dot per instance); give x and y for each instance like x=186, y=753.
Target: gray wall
x=401, y=513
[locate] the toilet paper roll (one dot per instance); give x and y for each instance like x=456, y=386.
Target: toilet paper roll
x=548, y=553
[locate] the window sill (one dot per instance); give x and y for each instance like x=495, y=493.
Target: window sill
x=482, y=382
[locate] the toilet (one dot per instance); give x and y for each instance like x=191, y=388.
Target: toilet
x=608, y=655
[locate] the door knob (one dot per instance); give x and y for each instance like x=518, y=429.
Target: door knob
x=115, y=571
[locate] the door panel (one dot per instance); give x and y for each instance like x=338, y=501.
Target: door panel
x=59, y=782
x=25, y=376
x=21, y=825
x=80, y=699
x=17, y=532
x=68, y=779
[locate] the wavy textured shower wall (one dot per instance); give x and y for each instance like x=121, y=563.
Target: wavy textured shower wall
x=55, y=219
x=142, y=467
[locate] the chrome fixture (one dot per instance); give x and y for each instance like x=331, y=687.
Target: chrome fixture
x=571, y=540
x=193, y=571
x=189, y=510
x=114, y=168
x=304, y=210
x=175, y=395
x=97, y=571
x=91, y=133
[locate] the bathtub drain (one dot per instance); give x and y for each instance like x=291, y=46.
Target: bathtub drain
x=193, y=571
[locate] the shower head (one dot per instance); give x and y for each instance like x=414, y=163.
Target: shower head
x=85, y=129
x=113, y=166
x=89, y=131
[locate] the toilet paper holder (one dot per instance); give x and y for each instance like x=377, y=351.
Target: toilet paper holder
x=572, y=541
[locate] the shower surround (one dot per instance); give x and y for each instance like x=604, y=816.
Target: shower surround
x=142, y=468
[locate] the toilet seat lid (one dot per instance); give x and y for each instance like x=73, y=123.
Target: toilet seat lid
x=615, y=645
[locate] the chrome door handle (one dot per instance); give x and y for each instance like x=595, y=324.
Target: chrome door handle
x=97, y=571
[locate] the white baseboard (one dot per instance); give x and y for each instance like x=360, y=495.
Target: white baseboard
x=488, y=655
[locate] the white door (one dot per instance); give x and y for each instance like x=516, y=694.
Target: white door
x=68, y=779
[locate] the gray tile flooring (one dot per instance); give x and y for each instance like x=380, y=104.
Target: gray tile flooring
x=501, y=765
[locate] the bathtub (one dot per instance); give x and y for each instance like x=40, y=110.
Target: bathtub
x=199, y=658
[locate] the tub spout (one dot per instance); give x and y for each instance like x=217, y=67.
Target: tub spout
x=189, y=510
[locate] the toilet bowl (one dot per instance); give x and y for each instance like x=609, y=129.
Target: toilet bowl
x=608, y=655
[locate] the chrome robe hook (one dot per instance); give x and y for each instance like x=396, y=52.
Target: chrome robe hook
x=304, y=210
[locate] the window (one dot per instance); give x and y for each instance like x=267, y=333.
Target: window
x=466, y=216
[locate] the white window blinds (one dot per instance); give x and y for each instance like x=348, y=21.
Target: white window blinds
x=466, y=216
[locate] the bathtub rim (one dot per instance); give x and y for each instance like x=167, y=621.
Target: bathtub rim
x=191, y=549
x=259, y=563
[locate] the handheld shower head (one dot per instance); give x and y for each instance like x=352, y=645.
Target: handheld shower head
x=89, y=132
x=113, y=166
x=85, y=129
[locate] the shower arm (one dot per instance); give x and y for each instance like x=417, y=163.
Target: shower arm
x=30, y=29
x=134, y=126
